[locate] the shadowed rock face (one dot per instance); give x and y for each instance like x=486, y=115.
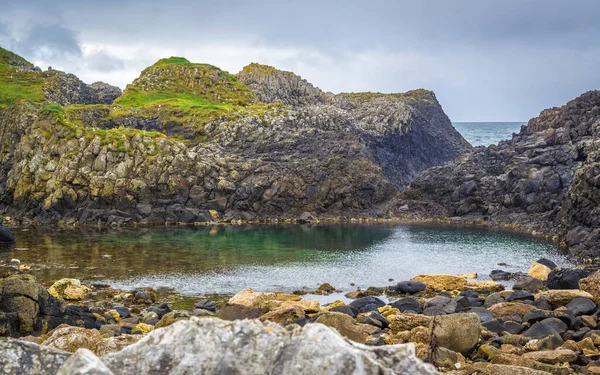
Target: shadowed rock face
x=213, y=346
x=190, y=143
x=547, y=177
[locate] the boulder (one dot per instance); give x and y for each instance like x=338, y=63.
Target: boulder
x=26, y=358
x=497, y=275
x=284, y=314
x=249, y=304
x=591, y=284
x=69, y=338
x=212, y=346
x=520, y=295
x=172, y=317
x=442, y=282
x=440, y=305
x=346, y=326
x=367, y=304
x=457, y=332
x=406, y=322
x=69, y=289
x=488, y=285
x=540, y=330
x=6, y=235
x=407, y=304
x=556, y=356
x=565, y=278
x=345, y=310
x=409, y=287
x=84, y=362
x=510, y=308
x=27, y=308
x=581, y=306
x=561, y=297
x=540, y=270
x=205, y=304
x=528, y=283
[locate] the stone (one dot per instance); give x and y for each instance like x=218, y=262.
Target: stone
x=510, y=308
x=6, y=235
x=591, y=284
x=407, y=304
x=325, y=289
x=442, y=282
x=346, y=326
x=373, y=318
x=84, y=362
x=160, y=310
x=212, y=346
x=345, y=310
x=457, y=332
x=206, y=305
x=520, y=295
x=284, y=314
x=439, y=305
x=561, y=297
x=142, y=328
x=539, y=271
x=513, y=327
x=495, y=325
x=487, y=285
x=493, y=299
x=581, y=306
x=69, y=289
x=406, y=322
x=172, y=317
x=565, y=278
x=367, y=304
x=501, y=275
x=26, y=358
x=409, y=287
x=484, y=314
x=472, y=275
x=150, y=316
x=540, y=330
x=69, y=338
x=556, y=356
x=516, y=362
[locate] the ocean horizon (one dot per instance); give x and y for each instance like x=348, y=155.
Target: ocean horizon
x=487, y=133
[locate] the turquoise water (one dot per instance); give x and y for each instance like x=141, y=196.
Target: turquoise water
x=487, y=133
x=226, y=259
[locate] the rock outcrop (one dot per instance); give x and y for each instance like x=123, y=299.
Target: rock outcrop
x=191, y=143
x=547, y=177
x=212, y=346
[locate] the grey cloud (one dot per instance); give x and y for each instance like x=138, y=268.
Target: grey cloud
x=103, y=62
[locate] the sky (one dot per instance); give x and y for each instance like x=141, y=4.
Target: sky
x=486, y=60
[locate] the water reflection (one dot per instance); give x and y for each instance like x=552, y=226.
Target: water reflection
x=225, y=259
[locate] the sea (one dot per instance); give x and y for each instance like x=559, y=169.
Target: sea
x=487, y=133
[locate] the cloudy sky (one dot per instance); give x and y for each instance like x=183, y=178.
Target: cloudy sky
x=486, y=60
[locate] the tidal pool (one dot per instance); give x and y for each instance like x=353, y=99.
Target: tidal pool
x=226, y=259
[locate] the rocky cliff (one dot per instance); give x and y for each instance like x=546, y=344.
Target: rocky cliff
x=189, y=142
x=546, y=177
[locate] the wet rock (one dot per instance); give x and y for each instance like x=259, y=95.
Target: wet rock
x=581, y=306
x=69, y=289
x=497, y=275
x=520, y=295
x=457, y=332
x=325, y=289
x=442, y=282
x=6, y=235
x=565, y=278
x=409, y=287
x=528, y=283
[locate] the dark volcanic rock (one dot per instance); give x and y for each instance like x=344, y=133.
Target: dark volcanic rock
x=407, y=304
x=528, y=283
x=544, y=177
x=409, y=287
x=6, y=235
x=520, y=295
x=581, y=306
x=367, y=304
x=565, y=278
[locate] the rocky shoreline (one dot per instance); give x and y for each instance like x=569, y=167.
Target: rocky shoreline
x=548, y=323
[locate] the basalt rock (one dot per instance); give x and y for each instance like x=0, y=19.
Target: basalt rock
x=265, y=144
x=546, y=178
x=6, y=235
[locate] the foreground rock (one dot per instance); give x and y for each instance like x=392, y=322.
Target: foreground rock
x=212, y=346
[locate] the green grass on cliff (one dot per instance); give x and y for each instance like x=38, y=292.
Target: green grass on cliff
x=16, y=85
x=409, y=96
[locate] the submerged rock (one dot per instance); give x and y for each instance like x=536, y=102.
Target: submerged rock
x=6, y=235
